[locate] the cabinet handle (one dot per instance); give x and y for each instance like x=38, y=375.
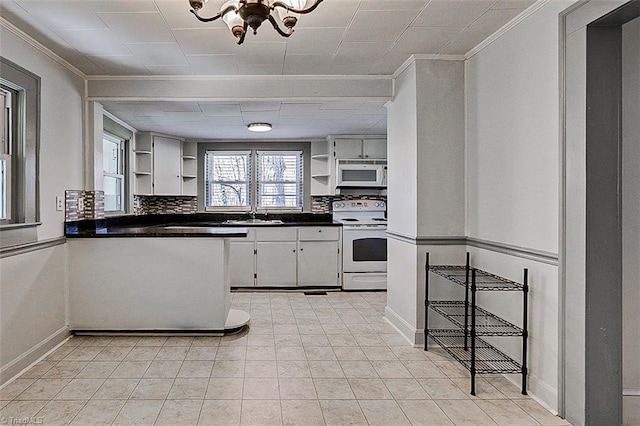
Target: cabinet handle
x=294, y=250
x=359, y=155
x=301, y=249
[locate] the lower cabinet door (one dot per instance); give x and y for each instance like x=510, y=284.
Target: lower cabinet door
x=276, y=264
x=318, y=263
x=241, y=264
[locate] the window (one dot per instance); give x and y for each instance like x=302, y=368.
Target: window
x=6, y=97
x=19, y=133
x=113, y=160
x=227, y=179
x=253, y=180
x=279, y=179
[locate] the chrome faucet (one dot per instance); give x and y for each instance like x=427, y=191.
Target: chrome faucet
x=252, y=214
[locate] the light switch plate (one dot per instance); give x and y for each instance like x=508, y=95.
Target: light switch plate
x=59, y=203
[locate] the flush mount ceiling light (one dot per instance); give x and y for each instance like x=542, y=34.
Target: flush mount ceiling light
x=259, y=127
x=241, y=14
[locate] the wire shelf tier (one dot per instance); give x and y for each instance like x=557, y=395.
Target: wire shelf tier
x=484, y=280
x=488, y=358
x=487, y=324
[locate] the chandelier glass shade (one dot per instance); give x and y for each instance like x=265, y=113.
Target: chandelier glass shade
x=239, y=15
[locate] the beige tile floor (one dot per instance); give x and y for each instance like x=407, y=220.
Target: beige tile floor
x=305, y=360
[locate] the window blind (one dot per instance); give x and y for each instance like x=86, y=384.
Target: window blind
x=227, y=179
x=280, y=179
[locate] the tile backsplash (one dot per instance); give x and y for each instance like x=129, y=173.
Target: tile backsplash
x=80, y=204
x=147, y=204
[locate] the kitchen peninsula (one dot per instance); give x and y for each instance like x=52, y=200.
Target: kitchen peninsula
x=160, y=273
x=133, y=276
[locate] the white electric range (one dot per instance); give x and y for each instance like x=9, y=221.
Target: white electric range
x=364, y=243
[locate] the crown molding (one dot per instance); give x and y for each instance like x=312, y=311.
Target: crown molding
x=40, y=47
x=506, y=28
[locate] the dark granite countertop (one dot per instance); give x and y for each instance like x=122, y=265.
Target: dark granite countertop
x=188, y=225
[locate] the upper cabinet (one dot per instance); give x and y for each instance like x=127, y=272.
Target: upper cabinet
x=164, y=165
x=373, y=147
x=324, y=154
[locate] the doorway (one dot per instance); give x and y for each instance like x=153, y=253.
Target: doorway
x=600, y=203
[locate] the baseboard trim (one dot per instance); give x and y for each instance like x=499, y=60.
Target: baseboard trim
x=413, y=336
x=34, y=355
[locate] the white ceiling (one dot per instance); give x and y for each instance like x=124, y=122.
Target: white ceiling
x=341, y=37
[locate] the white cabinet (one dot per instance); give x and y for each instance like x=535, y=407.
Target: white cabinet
x=164, y=165
x=242, y=264
x=286, y=257
x=325, y=153
x=167, y=166
x=276, y=264
x=374, y=147
x=318, y=256
x=318, y=263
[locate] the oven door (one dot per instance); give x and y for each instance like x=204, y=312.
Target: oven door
x=364, y=249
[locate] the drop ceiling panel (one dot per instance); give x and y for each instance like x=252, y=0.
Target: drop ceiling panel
x=170, y=70
x=206, y=40
x=174, y=106
x=220, y=109
x=138, y=27
x=306, y=64
x=297, y=109
x=379, y=25
x=69, y=15
x=213, y=64
x=119, y=65
x=480, y=29
x=122, y=5
x=426, y=39
x=393, y=4
x=95, y=42
x=447, y=13
x=341, y=37
x=158, y=53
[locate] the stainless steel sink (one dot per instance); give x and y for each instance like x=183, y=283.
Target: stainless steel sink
x=253, y=222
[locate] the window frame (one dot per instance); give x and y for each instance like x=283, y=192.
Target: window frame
x=253, y=185
x=248, y=182
x=122, y=169
x=299, y=182
x=21, y=228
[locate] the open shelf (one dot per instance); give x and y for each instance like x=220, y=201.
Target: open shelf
x=484, y=280
x=471, y=321
x=487, y=324
x=488, y=359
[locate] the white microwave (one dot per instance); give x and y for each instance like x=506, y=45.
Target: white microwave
x=361, y=173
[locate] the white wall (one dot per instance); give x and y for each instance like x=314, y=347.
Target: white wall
x=513, y=175
x=426, y=183
x=402, y=154
x=33, y=285
x=513, y=130
x=631, y=220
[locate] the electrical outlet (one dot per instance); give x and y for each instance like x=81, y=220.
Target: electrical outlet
x=59, y=203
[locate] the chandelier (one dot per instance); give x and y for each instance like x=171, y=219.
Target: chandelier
x=241, y=14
